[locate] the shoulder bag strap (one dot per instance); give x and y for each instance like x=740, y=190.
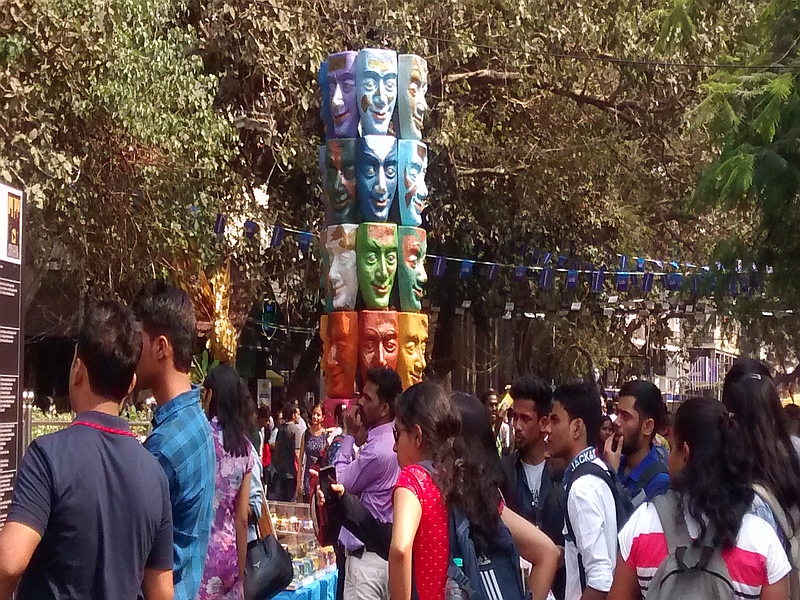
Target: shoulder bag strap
x=672, y=521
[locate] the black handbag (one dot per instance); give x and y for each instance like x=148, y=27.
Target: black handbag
x=267, y=570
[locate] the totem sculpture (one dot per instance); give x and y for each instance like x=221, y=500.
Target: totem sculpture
x=375, y=195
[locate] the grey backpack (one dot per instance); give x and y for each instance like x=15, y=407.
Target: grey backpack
x=791, y=537
x=693, y=570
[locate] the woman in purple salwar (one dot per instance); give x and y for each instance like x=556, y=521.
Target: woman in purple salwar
x=231, y=411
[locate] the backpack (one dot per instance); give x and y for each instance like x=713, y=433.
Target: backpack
x=622, y=503
x=491, y=575
x=639, y=496
x=495, y=575
x=692, y=570
x=791, y=537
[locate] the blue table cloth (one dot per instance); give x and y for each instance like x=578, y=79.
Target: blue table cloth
x=323, y=588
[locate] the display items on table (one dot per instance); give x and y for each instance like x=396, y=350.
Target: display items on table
x=376, y=85
x=376, y=174
x=341, y=357
x=376, y=255
x=342, y=275
x=412, y=79
x=341, y=95
x=411, y=274
x=312, y=563
x=377, y=340
x=413, y=332
x=340, y=181
x=412, y=190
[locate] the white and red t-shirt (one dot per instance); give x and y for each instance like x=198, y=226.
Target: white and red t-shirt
x=758, y=558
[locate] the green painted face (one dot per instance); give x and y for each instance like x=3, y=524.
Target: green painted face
x=412, y=276
x=376, y=253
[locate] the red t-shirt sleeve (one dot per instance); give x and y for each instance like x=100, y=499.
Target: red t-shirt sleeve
x=409, y=479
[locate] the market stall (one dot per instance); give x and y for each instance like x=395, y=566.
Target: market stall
x=315, y=573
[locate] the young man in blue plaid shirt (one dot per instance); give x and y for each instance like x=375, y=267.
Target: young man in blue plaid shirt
x=181, y=438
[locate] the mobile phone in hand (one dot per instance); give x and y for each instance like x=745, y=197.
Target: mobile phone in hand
x=327, y=476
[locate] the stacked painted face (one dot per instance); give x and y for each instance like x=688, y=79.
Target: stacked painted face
x=411, y=277
x=377, y=176
x=412, y=73
x=413, y=195
x=378, y=338
x=413, y=328
x=342, y=279
x=340, y=181
x=376, y=254
x=340, y=359
x=376, y=83
x=341, y=79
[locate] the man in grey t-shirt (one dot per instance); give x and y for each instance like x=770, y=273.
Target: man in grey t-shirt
x=287, y=455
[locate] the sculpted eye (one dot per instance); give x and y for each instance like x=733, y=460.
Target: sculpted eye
x=349, y=172
x=372, y=258
x=391, y=84
x=391, y=258
x=391, y=171
x=390, y=345
x=369, y=171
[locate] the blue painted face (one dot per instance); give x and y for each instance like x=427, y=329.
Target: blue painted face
x=325, y=106
x=413, y=196
x=376, y=83
x=376, y=171
x=342, y=102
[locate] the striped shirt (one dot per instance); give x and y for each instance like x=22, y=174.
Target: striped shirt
x=757, y=559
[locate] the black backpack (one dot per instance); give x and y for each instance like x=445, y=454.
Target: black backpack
x=491, y=575
x=622, y=503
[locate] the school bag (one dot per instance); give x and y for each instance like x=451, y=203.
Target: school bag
x=493, y=574
x=791, y=537
x=693, y=570
x=622, y=503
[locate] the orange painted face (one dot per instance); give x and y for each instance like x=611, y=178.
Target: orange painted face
x=378, y=340
x=342, y=354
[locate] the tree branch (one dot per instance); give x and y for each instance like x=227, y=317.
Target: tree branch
x=483, y=75
x=498, y=171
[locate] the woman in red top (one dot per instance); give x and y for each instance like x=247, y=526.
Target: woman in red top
x=424, y=430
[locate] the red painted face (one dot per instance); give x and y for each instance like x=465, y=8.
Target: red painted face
x=379, y=345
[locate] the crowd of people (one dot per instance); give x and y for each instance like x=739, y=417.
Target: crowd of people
x=541, y=493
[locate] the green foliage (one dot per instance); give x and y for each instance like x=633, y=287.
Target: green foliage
x=201, y=365
x=752, y=117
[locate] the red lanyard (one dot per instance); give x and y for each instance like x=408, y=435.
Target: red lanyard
x=104, y=429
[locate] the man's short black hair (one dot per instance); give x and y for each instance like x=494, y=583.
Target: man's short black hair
x=110, y=345
x=582, y=401
x=166, y=310
x=288, y=411
x=534, y=388
x=388, y=384
x=649, y=403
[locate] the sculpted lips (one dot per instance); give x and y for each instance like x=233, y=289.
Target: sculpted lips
x=381, y=202
x=380, y=116
x=418, y=293
x=381, y=289
x=341, y=117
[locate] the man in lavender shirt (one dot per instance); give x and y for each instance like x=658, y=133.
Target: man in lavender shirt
x=370, y=475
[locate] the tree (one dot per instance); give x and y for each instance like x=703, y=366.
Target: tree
x=540, y=132
x=752, y=116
